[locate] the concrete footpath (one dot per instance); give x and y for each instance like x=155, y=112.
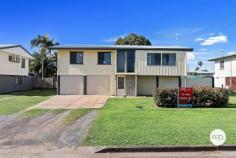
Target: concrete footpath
x=90, y=152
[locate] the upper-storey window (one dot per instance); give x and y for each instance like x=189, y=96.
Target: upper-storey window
x=125, y=60
x=23, y=63
x=104, y=58
x=153, y=58
x=169, y=59
x=76, y=57
x=222, y=65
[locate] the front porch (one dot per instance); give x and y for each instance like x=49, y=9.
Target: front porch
x=139, y=85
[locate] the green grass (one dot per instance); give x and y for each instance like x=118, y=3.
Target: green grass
x=74, y=115
x=34, y=113
x=57, y=111
x=124, y=123
x=15, y=102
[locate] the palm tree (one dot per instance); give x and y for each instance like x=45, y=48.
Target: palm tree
x=43, y=42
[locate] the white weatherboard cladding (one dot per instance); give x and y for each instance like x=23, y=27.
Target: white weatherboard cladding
x=142, y=68
x=229, y=68
x=12, y=68
x=17, y=51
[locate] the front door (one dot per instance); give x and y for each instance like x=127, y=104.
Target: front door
x=120, y=86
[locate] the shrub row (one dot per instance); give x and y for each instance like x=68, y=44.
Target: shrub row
x=202, y=97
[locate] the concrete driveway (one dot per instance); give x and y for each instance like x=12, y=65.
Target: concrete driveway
x=73, y=102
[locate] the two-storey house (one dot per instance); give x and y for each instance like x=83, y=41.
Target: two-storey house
x=14, y=69
x=225, y=72
x=119, y=70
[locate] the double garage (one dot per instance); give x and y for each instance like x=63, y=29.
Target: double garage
x=82, y=85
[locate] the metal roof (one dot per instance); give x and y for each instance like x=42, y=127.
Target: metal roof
x=109, y=47
x=223, y=57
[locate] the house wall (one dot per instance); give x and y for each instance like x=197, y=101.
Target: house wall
x=12, y=68
x=229, y=68
x=228, y=71
x=168, y=82
x=141, y=67
x=89, y=66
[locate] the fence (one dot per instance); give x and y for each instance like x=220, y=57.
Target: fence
x=46, y=83
x=199, y=81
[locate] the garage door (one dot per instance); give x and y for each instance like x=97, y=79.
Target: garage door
x=98, y=85
x=146, y=85
x=72, y=85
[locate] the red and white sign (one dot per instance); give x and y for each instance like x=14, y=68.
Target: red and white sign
x=185, y=97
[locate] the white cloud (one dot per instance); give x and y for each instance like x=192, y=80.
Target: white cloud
x=199, y=39
x=214, y=40
x=112, y=39
x=190, y=56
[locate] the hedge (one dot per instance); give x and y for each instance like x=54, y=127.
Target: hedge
x=202, y=97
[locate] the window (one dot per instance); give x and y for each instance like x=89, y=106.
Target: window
x=18, y=80
x=130, y=60
x=153, y=59
x=169, y=59
x=125, y=60
x=76, y=57
x=104, y=58
x=23, y=63
x=120, y=61
x=222, y=65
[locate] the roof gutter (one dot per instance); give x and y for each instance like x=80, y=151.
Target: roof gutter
x=112, y=48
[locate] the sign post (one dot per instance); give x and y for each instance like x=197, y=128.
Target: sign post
x=185, y=97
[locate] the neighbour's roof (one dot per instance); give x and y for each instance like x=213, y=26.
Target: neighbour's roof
x=201, y=72
x=8, y=46
x=137, y=47
x=223, y=57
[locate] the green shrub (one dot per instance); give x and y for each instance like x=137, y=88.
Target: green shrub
x=210, y=97
x=202, y=97
x=165, y=97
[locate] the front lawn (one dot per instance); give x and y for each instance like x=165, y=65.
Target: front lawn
x=137, y=121
x=15, y=102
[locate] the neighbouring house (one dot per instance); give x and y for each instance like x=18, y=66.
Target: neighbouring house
x=118, y=69
x=14, y=69
x=225, y=72
x=200, y=78
x=201, y=73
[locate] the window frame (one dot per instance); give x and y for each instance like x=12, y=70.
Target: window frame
x=163, y=54
x=150, y=53
x=76, y=52
x=103, y=60
x=23, y=63
x=222, y=65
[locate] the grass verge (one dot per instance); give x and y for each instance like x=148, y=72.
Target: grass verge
x=74, y=115
x=123, y=123
x=14, y=102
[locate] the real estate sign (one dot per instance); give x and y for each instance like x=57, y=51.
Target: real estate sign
x=185, y=97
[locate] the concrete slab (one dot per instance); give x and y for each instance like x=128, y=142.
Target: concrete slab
x=73, y=102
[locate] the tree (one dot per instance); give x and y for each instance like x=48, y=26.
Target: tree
x=50, y=66
x=43, y=42
x=133, y=39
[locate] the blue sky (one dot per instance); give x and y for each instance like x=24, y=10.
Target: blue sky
x=206, y=25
